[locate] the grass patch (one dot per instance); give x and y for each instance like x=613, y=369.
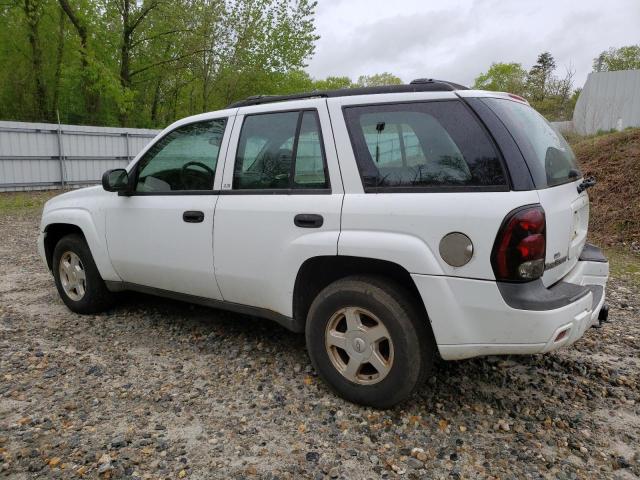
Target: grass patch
x=575, y=138
x=624, y=265
x=25, y=202
x=613, y=158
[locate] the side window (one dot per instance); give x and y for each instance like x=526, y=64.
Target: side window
x=281, y=150
x=551, y=159
x=310, y=165
x=427, y=144
x=184, y=159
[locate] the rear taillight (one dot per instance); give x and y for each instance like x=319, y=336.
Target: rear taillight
x=519, y=250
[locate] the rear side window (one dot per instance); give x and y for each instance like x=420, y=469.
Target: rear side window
x=280, y=151
x=310, y=168
x=549, y=157
x=428, y=144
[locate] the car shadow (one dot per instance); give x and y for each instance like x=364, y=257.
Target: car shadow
x=507, y=383
x=206, y=320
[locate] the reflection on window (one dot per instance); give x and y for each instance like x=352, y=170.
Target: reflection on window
x=422, y=144
x=269, y=152
x=309, y=171
x=552, y=153
x=184, y=159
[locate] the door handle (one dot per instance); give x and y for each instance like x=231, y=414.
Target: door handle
x=193, y=216
x=308, y=220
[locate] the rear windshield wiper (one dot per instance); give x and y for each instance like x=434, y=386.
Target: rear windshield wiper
x=586, y=183
x=574, y=174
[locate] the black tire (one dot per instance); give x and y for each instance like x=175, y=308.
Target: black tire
x=96, y=297
x=414, y=346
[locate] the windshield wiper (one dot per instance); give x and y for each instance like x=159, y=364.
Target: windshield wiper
x=586, y=183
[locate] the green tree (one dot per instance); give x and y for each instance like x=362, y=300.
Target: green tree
x=623, y=58
x=92, y=74
x=33, y=12
x=503, y=77
x=148, y=62
x=551, y=95
x=539, y=77
x=378, y=80
x=333, y=83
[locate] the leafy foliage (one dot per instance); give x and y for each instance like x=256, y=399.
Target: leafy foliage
x=503, y=77
x=333, y=83
x=147, y=62
x=552, y=96
x=378, y=80
x=623, y=58
x=540, y=77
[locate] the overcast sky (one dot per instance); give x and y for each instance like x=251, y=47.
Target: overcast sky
x=458, y=39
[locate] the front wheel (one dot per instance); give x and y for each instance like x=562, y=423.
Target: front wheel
x=369, y=341
x=77, y=278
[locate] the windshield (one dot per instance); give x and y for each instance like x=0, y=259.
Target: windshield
x=548, y=155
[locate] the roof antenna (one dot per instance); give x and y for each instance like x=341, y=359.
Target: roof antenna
x=379, y=128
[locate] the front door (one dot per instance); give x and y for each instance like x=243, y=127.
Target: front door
x=279, y=204
x=161, y=235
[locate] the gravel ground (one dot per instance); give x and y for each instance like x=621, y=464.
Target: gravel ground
x=161, y=389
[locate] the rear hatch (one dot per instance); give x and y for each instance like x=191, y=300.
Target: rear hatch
x=567, y=216
x=556, y=177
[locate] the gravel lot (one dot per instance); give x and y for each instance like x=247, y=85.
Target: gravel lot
x=161, y=389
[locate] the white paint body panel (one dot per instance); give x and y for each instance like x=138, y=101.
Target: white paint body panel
x=248, y=250
x=84, y=208
x=258, y=249
x=149, y=243
x=406, y=228
x=567, y=217
x=470, y=318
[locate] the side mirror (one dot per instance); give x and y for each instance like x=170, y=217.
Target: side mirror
x=116, y=180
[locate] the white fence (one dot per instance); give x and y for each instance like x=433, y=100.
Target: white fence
x=40, y=156
x=563, y=127
x=608, y=101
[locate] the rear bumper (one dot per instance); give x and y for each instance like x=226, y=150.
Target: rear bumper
x=479, y=317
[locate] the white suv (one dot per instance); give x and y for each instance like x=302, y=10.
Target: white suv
x=389, y=224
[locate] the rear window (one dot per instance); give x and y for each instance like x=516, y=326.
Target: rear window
x=549, y=157
x=424, y=144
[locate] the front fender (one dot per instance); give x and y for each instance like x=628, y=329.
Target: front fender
x=94, y=235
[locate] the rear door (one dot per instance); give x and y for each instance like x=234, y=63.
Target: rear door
x=556, y=177
x=280, y=202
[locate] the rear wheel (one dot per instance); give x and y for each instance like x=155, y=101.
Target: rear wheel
x=369, y=341
x=77, y=278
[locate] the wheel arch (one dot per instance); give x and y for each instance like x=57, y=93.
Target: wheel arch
x=318, y=272
x=61, y=222
x=55, y=232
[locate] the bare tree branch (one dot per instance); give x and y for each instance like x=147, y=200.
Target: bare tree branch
x=164, y=62
x=143, y=14
x=82, y=31
x=153, y=37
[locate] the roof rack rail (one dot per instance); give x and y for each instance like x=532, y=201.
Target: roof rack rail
x=418, y=85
